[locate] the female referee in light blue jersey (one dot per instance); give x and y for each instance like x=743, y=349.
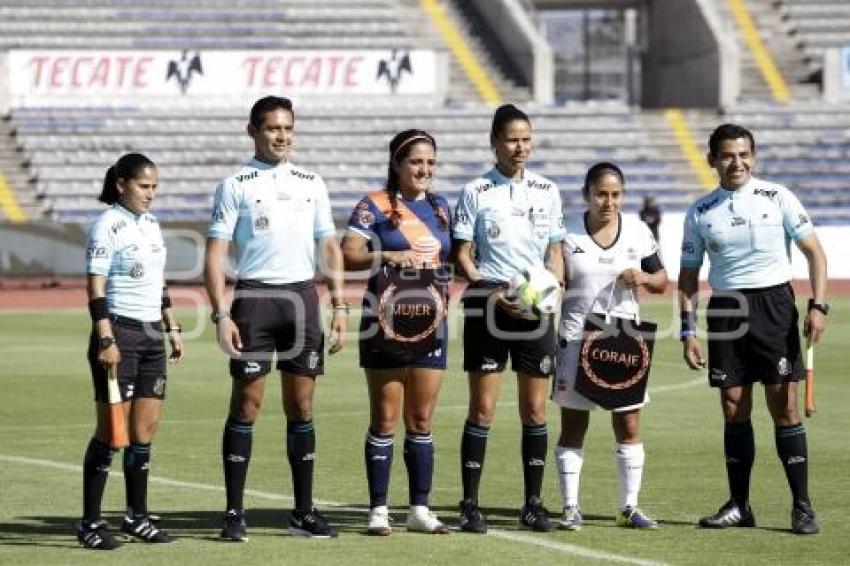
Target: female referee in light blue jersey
x=129, y=305
x=512, y=219
x=402, y=230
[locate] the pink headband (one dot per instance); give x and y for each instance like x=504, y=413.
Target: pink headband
x=409, y=140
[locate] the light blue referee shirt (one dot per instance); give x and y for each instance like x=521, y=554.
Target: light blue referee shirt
x=747, y=234
x=273, y=214
x=511, y=222
x=128, y=250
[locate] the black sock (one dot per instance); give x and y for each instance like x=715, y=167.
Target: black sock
x=236, y=454
x=136, y=462
x=419, y=459
x=378, y=454
x=740, y=448
x=301, y=450
x=473, y=446
x=792, y=450
x=534, y=442
x=96, y=464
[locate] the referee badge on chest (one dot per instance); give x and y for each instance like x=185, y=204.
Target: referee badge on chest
x=259, y=213
x=137, y=271
x=261, y=223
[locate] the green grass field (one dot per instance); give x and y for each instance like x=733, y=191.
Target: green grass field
x=46, y=419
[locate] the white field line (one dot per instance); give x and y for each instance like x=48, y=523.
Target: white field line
x=573, y=549
x=517, y=537
x=365, y=411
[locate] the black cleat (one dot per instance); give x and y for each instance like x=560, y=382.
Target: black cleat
x=803, y=519
x=471, y=518
x=535, y=517
x=233, y=527
x=143, y=529
x=730, y=515
x=96, y=536
x=310, y=524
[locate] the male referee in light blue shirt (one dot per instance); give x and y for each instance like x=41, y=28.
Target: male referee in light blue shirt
x=278, y=217
x=746, y=226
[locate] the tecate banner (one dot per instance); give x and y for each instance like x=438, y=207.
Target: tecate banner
x=62, y=74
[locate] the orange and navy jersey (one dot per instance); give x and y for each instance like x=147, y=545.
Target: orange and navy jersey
x=420, y=228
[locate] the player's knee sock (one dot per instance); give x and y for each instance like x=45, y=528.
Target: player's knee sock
x=301, y=451
x=419, y=460
x=630, y=459
x=473, y=446
x=236, y=454
x=740, y=448
x=535, y=440
x=792, y=450
x=96, y=464
x=136, y=463
x=378, y=454
x=569, y=462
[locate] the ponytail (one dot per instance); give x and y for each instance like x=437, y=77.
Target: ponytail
x=127, y=167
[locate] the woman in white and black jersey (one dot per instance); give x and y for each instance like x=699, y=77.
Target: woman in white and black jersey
x=130, y=309
x=609, y=256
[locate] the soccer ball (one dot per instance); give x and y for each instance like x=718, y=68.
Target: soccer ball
x=537, y=291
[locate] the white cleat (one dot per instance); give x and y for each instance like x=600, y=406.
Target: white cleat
x=420, y=519
x=379, y=521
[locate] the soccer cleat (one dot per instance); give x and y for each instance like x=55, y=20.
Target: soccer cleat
x=96, y=536
x=803, y=519
x=233, y=527
x=535, y=517
x=310, y=524
x=420, y=519
x=634, y=518
x=141, y=528
x=471, y=518
x=730, y=515
x=571, y=519
x=379, y=521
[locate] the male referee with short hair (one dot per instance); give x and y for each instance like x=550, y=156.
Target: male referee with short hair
x=278, y=217
x=746, y=226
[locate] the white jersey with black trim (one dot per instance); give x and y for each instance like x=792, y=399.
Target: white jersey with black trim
x=747, y=234
x=592, y=272
x=273, y=214
x=511, y=222
x=128, y=250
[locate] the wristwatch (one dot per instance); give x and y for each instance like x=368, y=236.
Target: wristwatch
x=105, y=342
x=822, y=307
x=218, y=315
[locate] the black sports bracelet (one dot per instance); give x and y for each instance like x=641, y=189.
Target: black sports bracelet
x=98, y=309
x=166, y=299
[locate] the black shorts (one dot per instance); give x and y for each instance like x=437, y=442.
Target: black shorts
x=490, y=334
x=141, y=372
x=278, y=320
x=759, y=343
x=375, y=359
